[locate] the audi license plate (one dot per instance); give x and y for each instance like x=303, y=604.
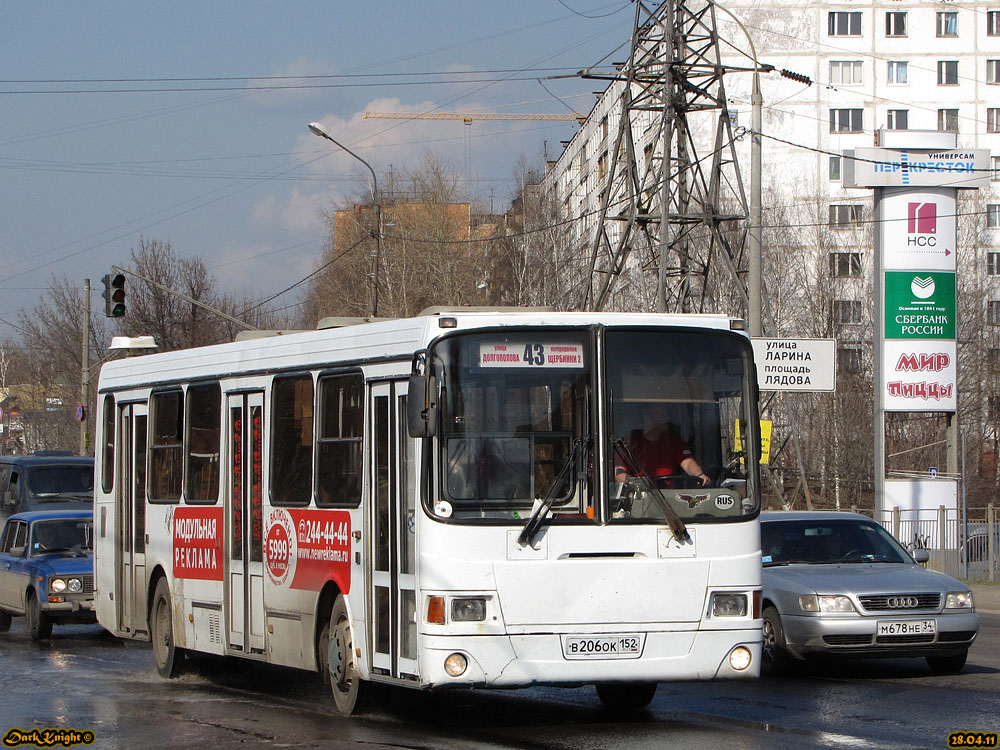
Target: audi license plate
x=906, y=627
x=619, y=646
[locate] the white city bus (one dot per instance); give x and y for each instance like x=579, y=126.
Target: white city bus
x=433, y=502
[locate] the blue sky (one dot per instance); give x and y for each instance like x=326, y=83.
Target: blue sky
x=218, y=160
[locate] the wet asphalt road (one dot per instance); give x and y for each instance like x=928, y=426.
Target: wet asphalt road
x=86, y=679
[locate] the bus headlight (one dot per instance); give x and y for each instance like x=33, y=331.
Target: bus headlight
x=472, y=609
x=456, y=664
x=729, y=605
x=58, y=585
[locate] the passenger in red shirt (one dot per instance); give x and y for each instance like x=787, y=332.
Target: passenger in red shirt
x=660, y=451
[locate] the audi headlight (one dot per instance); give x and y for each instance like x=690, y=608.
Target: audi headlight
x=959, y=600
x=827, y=604
x=58, y=585
x=75, y=585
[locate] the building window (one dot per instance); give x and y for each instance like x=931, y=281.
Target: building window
x=947, y=72
x=898, y=70
x=993, y=264
x=845, y=120
x=993, y=312
x=602, y=165
x=995, y=177
x=835, y=168
x=993, y=23
x=993, y=216
x=848, y=359
x=948, y=120
x=898, y=119
x=845, y=215
x=846, y=72
x=895, y=23
x=993, y=71
x=947, y=23
x=846, y=312
x=844, y=23
x=993, y=120
x=843, y=265
x=604, y=127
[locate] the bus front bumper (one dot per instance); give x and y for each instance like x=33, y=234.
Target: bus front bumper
x=540, y=659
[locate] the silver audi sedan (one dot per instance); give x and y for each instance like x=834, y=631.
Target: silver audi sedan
x=838, y=584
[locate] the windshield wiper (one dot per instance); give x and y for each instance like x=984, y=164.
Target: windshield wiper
x=541, y=511
x=791, y=562
x=636, y=469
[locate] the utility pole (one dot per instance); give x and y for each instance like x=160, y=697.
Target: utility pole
x=683, y=210
x=85, y=372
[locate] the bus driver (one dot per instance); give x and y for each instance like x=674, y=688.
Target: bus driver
x=660, y=451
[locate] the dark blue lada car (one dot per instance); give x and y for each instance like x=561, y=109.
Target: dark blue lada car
x=47, y=569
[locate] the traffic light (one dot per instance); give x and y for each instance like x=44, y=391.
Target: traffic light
x=114, y=295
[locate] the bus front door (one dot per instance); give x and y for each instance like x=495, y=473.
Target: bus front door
x=130, y=522
x=244, y=521
x=392, y=475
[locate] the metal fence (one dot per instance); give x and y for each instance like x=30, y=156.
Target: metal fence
x=964, y=549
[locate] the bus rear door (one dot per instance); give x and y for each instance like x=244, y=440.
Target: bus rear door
x=130, y=582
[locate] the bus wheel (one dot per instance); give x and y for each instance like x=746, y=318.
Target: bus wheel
x=350, y=692
x=626, y=696
x=39, y=623
x=167, y=656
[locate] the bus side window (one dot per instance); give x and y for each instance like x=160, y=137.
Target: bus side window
x=292, y=440
x=340, y=430
x=108, y=464
x=204, y=436
x=166, y=467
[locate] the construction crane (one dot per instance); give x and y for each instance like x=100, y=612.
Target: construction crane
x=467, y=118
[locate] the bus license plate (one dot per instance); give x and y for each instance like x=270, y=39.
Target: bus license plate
x=620, y=646
x=907, y=627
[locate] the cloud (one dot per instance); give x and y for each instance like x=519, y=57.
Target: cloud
x=299, y=213
x=283, y=80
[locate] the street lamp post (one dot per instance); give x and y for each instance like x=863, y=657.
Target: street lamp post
x=317, y=129
x=754, y=286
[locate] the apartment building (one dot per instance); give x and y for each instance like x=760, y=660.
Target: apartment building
x=889, y=64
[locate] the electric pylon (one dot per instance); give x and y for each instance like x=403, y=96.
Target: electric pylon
x=673, y=110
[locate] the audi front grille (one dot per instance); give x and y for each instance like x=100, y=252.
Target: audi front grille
x=900, y=602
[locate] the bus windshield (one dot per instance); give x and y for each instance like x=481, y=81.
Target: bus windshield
x=515, y=411
x=677, y=401
x=519, y=424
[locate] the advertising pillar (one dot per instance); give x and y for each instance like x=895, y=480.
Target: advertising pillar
x=916, y=176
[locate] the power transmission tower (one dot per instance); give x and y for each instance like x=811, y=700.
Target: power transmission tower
x=673, y=84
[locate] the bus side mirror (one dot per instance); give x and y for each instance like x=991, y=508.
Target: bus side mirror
x=421, y=406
